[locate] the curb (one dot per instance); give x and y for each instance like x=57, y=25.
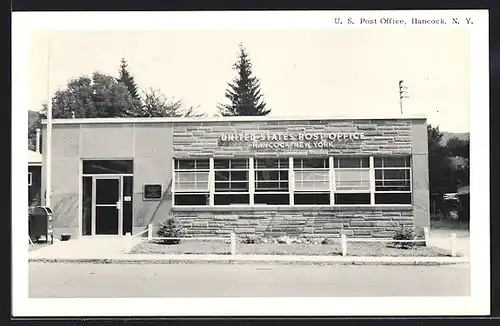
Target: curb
x=356, y=261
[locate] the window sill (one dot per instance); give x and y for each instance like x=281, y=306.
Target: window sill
x=244, y=208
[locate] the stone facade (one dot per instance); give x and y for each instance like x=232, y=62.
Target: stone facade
x=203, y=139
x=329, y=222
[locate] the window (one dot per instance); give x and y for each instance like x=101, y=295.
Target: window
x=108, y=166
x=312, y=181
x=271, y=181
x=297, y=181
x=352, y=180
x=191, y=186
x=30, y=178
x=392, y=180
x=231, y=182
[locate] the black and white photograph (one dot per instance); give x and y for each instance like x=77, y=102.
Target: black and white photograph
x=197, y=163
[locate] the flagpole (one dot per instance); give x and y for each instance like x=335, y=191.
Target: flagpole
x=48, y=193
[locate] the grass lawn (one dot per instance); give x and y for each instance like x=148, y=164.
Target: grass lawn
x=353, y=249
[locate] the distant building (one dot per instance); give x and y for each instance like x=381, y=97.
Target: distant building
x=35, y=174
x=34, y=178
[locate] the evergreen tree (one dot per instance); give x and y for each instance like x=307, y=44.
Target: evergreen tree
x=127, y=79
x=244, y=92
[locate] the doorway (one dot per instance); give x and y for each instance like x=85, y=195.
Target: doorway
x=107, y=193
x=108, y=215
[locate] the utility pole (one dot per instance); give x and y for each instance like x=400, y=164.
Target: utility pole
x=48, y=166
x=402, y=94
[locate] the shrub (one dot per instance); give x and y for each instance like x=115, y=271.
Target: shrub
x=251, y=239
x=171, y=228
x=405, y=233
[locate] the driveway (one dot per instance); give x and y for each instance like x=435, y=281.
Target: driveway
x=440, y=237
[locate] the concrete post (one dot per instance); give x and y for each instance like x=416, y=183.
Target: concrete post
x=150, y=231
x=426, y=235
x=453, y=243
x=343, y=243
x=233, y=243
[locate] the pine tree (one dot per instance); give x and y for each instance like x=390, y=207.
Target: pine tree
x=127, y=78
x=244, y=92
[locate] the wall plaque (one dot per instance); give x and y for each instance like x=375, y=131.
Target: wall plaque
x=152, y=191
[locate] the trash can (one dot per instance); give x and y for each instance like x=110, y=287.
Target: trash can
x=40, y=224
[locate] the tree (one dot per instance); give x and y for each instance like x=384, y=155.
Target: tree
x=128, y=80
x=244, y=92
x=439, y=169
x=99, y=96
x=156, y=104
x=458, y=147
x=36, y=124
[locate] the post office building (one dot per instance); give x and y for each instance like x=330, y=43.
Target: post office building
x=365, y=177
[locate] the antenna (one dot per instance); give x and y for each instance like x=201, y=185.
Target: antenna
x=402, y=91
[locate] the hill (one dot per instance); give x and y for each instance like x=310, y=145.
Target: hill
x=449, y=135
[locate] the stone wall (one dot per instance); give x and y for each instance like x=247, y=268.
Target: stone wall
x=203, y=139
x=327, y=222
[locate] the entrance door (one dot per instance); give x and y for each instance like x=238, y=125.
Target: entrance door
x=107, y=217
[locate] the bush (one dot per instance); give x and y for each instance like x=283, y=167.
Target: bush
x=171, y=228
x=404, y=233
x=251, y=239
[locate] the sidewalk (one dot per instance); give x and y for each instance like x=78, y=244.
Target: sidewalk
x=115, y=250
x=85, y=248
x=248, y=259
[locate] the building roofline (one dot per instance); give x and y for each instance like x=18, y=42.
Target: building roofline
x=227, y=119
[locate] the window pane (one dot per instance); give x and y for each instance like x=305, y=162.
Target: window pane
x=222, y=186
x=272, y=199
x=191, y=164
x=396, y=162
x=392, y=161
x=239, y=164
x=356, y=179
x=271, y=186
x=221, y=164
x=108, y=166
x=239, y=175
x=191, y=199
x=312, y=185
x=392, y=174
x=311, y=175
x=231, y=186
x=271, y=175
x=393, y=185
x=310, y=163
x=352, y=199
x=222, y=175
x=191, y=186
x=228, y=199
x=265, y=163
x=312, y=199
x=393, y=198
x=185, y=176
x=352, y=162
x=87, y=206
x=231, y=164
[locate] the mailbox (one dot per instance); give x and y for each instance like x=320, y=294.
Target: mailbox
x=40, y=224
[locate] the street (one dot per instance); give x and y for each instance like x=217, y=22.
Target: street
x=207, y=280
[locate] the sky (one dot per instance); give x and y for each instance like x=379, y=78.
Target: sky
x=303, y=73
